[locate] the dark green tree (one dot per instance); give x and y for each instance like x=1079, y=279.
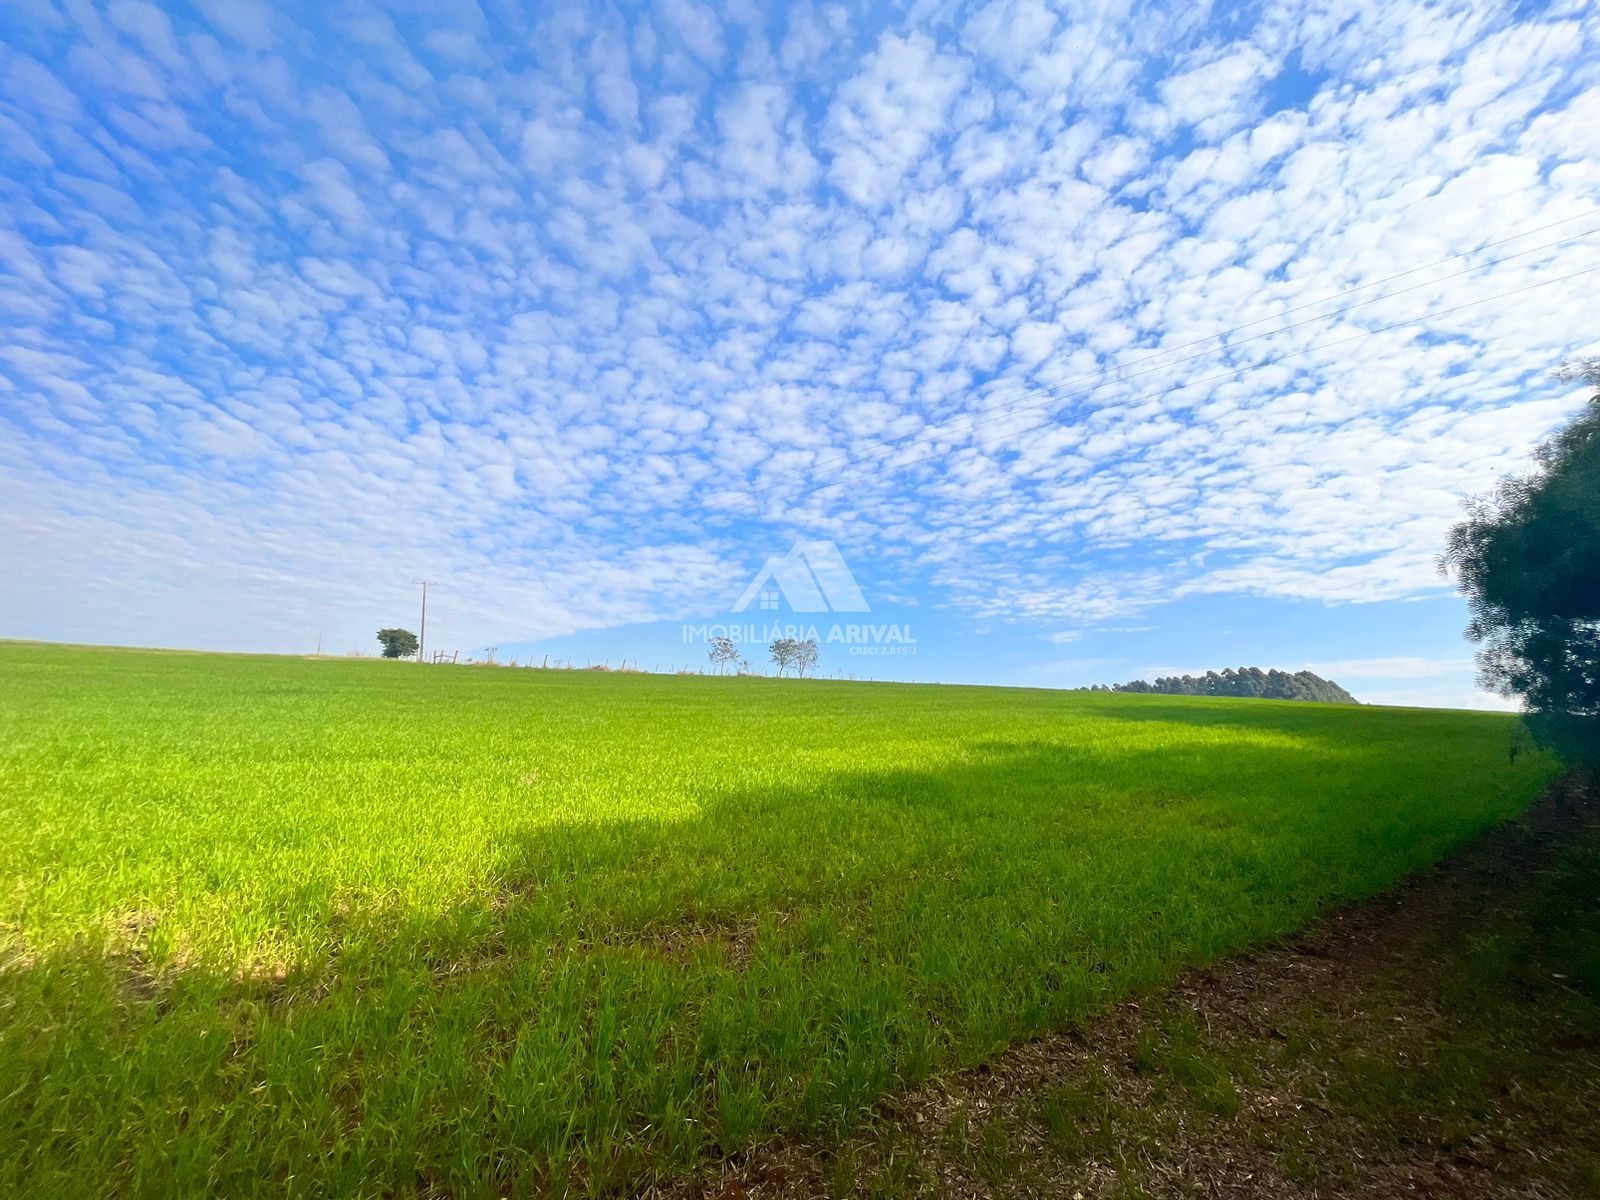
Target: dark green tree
x=397, y=643
x=1528, y=560
x=1248, y=682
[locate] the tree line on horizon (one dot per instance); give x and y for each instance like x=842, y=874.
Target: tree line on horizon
x=1246, y=683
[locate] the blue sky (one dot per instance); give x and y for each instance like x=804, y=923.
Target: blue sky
x=587, y=312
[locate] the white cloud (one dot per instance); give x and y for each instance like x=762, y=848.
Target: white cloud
x=696, y=26
x=1215, y=96
x=884, y=118
x=1398, y=667
x=303, y=311
x=1436, y=697
x=245, y=21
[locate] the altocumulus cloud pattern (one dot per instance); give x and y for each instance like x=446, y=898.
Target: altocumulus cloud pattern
x=593, y=311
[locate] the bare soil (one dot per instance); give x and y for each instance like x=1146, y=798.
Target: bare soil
x=1442, y=1040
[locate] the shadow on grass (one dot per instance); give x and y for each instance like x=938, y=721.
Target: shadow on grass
x=1324, y=722
x=630, y=998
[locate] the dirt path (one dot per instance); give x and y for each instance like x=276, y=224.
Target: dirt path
x=1443, y=1040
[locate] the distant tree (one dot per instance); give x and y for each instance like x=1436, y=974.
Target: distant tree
x=722, y=651
x=1246, y=682
x=806, y=656
x=1528, y=560
x=784, y=652
x=397, y=643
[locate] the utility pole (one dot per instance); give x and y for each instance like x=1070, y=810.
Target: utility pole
x=422, y=631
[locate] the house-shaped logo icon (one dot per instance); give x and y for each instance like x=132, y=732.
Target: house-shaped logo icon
x=812, y=577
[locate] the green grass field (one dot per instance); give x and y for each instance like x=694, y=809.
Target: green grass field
x=363, y=928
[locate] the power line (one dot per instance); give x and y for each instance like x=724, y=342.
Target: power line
x=1108, y=375
x=1230, y=374
x=1272, y=361
x=1361, y=287
x=709, y=504
x=422, y=630
x=1052, y=393
x=1241, y=370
